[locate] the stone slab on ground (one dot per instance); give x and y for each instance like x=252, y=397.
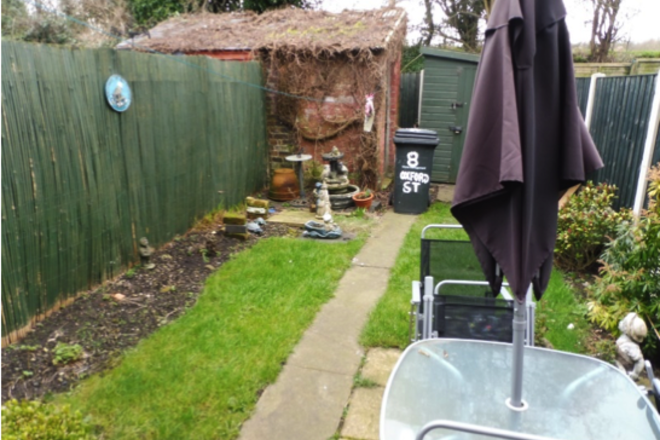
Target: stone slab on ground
x=380, y=250
x=379, y=364
x=445, y=193
x=284, y=410
x=363, y=414
x=292, y=217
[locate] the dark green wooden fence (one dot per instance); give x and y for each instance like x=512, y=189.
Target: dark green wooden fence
x=81, y=183
x=409, y=100
x=622, y=107
x=582, y=85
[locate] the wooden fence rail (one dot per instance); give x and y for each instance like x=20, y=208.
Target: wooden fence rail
x=81, y=184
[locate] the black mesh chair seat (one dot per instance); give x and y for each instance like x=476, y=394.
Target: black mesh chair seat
x=462, y=311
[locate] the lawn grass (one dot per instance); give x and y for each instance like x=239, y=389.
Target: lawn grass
x=559, y=308
x=200, y=377
x=388, y=322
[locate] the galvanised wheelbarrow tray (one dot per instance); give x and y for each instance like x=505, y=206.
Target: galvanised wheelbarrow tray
x=459, y=389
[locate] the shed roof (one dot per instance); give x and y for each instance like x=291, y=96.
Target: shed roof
x=450, y=54
x=291, y=27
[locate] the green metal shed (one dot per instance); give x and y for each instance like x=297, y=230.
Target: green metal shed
x=446, y=88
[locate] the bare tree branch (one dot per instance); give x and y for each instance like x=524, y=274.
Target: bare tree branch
x=604, y=28
x=460, y=23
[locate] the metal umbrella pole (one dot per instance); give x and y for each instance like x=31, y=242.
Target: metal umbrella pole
x=516, y=402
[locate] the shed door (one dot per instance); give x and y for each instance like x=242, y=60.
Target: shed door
x=446, y=103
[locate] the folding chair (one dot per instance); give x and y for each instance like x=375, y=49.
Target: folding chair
x=452, y=298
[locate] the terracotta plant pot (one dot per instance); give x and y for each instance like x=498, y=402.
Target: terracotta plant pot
x=284, y=186
x=361, y=201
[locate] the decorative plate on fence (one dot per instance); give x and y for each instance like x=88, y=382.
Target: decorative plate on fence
x=118, y=93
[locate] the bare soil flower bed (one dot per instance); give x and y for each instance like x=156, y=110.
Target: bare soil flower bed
x=114, y=317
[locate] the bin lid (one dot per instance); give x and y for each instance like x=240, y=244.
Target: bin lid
x=416, y=136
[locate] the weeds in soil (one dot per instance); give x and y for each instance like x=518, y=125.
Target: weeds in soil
x=605, y=350
x=360, y=381
x=199, y=377
x=356, y=224
x=64, y=353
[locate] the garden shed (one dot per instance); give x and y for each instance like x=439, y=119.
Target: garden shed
x=319, y=68
x=446, y=93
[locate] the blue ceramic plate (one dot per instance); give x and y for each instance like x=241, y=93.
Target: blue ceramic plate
x=118, y=93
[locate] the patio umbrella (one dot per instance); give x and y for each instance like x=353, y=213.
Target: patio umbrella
x=526, y=143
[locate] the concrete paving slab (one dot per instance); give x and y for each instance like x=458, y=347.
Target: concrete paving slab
x=363, y=414
x=379, y=364
x=297, y=406
x=383, y=246
x=292, y=217
x=361, y=286
x=445, y=193
x=319, y=352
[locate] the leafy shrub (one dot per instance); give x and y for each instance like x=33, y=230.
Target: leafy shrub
x=584, y=225
x=32, y=420
x=49, y=29
x=630, y=277
x=412, y=59
x=65, y=353
x=647, y=54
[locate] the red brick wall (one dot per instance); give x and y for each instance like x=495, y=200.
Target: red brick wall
x=341, y=107
x=283, y=140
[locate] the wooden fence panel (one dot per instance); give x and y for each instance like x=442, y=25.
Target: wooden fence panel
x=618, y=126
x=409, y=100
x=582, y=86
x=81, y=184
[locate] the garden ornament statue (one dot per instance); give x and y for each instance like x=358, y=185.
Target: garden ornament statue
x=254, y=228
x=327, y=229
x=629, y=356
x=335, y=173
x=323, y=205
x=369, y=112
x=145, y=253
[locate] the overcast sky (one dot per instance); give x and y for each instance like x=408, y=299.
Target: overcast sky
x=642, y=25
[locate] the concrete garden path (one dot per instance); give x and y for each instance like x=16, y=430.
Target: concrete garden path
x=308, y=399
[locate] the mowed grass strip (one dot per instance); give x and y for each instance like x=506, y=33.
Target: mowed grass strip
x=388, y=324
x=201, y=376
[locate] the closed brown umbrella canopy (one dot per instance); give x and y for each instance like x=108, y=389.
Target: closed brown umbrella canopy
x=526, y=143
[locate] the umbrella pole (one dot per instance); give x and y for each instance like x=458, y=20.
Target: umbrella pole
x=519, y=324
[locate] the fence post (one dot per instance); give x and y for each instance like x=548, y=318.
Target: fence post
x=592, y=97
x=651, y=133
